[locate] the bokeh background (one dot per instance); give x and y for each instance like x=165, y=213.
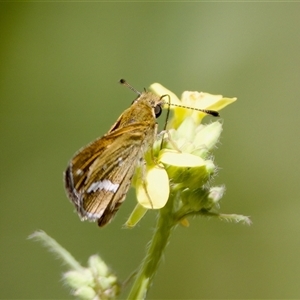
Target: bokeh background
x=60, y=64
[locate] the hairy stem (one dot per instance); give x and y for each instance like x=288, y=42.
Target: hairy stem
x=145, y=275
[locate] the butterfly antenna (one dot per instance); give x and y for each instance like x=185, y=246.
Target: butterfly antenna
x=206, y=111
x=124, y=82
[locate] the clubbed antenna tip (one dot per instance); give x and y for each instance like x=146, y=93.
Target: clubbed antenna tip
x=124, y=82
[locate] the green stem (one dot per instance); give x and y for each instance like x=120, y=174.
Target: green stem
x=145, y=275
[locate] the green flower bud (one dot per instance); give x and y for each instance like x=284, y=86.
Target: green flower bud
x=136, y=215
x=86, y=293
x=77, y=279
x=214, y=196
x=98, y=266
x=94, y=282
x=206, y=138
x=193, y=200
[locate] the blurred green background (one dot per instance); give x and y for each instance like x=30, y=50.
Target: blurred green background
x=59, y=68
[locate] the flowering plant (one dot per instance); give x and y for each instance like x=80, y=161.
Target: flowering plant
x=175, y=180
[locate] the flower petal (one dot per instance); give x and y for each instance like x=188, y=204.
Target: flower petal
x=160, y=90
x=208, y=135
x=157, y=188
x=178, y=159
x=205, y=100
x=221, y=103
x=198, y=100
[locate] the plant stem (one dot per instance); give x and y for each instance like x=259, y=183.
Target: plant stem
x=57, y=249
x=145, y=275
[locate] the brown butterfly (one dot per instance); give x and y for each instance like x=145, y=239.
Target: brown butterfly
x=99, y=175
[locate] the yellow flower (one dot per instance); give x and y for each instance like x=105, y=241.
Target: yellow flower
x=181, y=164
x=191, y=100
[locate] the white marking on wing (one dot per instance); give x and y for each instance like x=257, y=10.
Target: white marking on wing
x=79, y=172
x=93, y=216
x=120, y=161
x=106, y=185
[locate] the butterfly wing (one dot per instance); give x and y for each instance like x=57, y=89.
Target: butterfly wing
x=98, y=177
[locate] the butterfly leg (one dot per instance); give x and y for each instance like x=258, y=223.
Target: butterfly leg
x=169, y=139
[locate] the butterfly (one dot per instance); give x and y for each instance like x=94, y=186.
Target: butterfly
x=99, y=175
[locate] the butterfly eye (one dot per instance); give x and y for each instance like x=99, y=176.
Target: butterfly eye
x=157, y=110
